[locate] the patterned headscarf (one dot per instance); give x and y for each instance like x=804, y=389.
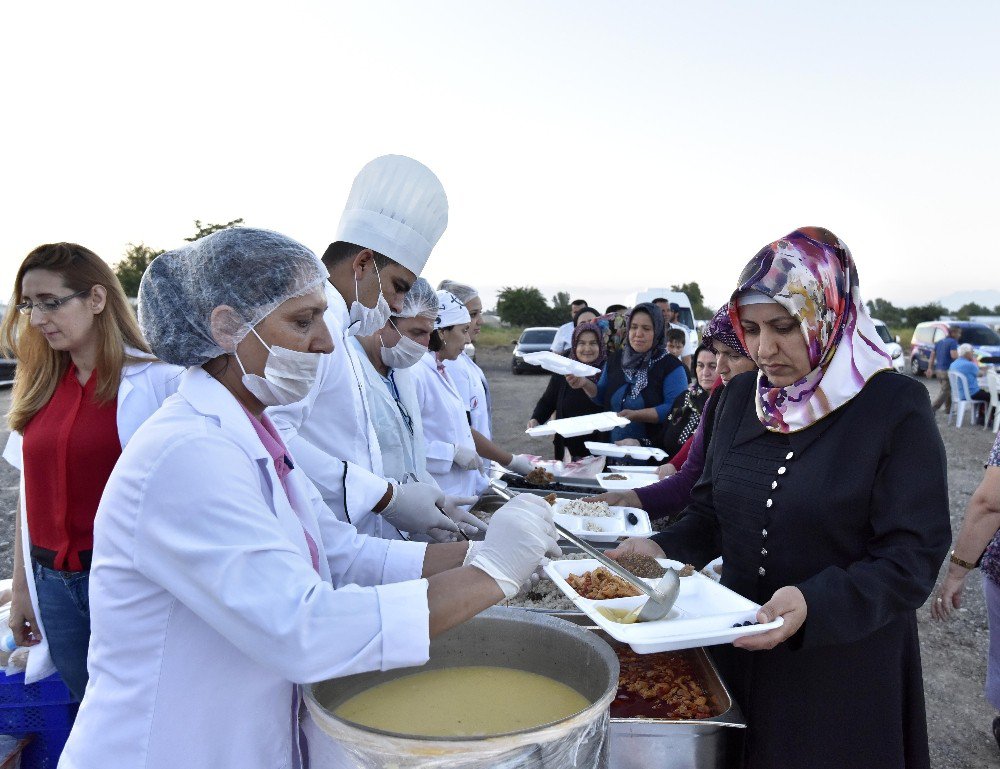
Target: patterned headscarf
x=602, y=354
x=811, y=273
x=636, y=365
x=720, y=329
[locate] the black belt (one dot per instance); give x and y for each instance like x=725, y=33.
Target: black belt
x=47, y=558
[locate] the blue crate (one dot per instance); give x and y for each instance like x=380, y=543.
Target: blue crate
x=44, y=709
x=13, y=691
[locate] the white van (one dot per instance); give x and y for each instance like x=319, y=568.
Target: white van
x=676, y=297
x=891, y=344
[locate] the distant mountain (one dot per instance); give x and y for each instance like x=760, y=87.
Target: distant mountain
x=985, y=297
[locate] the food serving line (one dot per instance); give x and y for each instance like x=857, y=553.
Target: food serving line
x=657, y=700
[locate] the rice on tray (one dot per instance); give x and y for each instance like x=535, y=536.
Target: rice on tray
x=545, y=595
x=589, y=509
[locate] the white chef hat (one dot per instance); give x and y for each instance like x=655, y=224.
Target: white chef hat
x=397, y=208
x=451, y=311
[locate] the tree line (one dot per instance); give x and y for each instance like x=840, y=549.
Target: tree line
x=895, y=316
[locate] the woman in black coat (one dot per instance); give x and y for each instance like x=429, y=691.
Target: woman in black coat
x=825, y=491
x=563, y=401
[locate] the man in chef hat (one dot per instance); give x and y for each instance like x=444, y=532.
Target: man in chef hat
x=395, y=213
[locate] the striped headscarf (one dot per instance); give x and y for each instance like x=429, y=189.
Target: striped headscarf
x=811, y=273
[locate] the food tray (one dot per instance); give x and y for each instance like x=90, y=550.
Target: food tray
x=612, y=529
x=570, y=427
x=631, y=480
x=560, y=364
x=614, y=450
x=704, y=614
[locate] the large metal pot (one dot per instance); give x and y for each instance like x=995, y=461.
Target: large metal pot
x=497, y=637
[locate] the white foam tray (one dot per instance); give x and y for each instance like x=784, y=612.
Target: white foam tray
x=612, y=529
x=614, y=450
x=560, y=364
x=573, y=426
x=645, y=469
x=631, y=481
x=704, y=614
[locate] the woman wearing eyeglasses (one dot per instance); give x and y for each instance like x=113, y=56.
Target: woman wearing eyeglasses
x=85, y=381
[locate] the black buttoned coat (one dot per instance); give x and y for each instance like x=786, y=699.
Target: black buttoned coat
x=854, y=512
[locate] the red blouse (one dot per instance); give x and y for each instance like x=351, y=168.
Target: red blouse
x=70, y=447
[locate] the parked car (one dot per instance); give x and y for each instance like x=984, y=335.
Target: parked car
x=984, y=340
x=891, y=344
x=533, y=339
x=7, y=368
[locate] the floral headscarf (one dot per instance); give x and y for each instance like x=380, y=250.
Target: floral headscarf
x=636, y=365
x=720, y=329
x=602, y=354
x=811, y=273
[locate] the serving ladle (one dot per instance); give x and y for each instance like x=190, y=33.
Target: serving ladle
x=660, y=599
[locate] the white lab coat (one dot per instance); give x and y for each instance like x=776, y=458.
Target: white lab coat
x=470, y=381
x=144, y=386
x=446, y=425
x=402, y=452
x=205, y=606
x=331, y=434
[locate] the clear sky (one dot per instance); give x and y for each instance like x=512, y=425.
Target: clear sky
x=594, y=147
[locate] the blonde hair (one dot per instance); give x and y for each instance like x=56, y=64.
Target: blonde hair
x=39, y=367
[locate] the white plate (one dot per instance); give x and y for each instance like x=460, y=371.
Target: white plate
x=645, y=469
x=612, y=529
x=560, y=364
x=704, y=614
x=584, y=425
x=614, y=450
x=631, y=481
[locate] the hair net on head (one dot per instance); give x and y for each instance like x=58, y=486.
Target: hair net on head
x=250, y=270
x=420, y=301
x=464, y=292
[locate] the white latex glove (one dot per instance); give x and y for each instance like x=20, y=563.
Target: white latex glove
x=467, y=458
x=415, y=507
x=467, y=522
x=520, y=464
x=520, y=536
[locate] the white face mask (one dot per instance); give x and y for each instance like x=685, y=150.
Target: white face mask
x=288, y=375
x=405, y=353
x=365, y=321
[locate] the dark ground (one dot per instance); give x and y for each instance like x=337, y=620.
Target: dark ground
x=954, y=654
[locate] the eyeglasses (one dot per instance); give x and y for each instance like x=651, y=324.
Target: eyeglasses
x=49, y=305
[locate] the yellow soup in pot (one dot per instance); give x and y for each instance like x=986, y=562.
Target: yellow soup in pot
x=463, y=702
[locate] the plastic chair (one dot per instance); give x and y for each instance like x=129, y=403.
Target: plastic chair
x=993, y=385
x=960, y=398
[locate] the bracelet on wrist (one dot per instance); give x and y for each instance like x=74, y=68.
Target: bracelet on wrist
x=959, y=562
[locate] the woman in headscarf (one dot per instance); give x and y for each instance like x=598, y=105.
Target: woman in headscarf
x=668, y=497
x=560, y=400
x=825, y=490
x=642, y=381
x=685, y=416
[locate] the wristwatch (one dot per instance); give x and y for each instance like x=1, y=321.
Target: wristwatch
x=959, y=562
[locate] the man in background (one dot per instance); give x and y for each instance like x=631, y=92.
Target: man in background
x=944, y=352
x=564, y=336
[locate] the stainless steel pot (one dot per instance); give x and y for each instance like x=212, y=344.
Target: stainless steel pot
x=498, y=637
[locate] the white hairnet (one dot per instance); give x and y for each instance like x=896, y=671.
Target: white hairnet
x=464, y=292
x=420, y=301
x=252, y=271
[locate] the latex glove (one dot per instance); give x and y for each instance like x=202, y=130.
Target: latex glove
x=520, y=536
x=467, y=522
x=520, y=464
x=415, y=508
x=467, y=458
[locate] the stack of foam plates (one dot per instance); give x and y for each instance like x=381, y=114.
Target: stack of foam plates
x=569, y=427
x=560, y=364
x=614, y=450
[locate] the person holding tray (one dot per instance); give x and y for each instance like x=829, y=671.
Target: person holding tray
x=565, y=401
x=825, y=490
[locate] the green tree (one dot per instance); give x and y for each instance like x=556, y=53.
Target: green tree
x=522, y=306
x=922, y=313
x=970, y=309
x=886, y=311
x=693, y=291
x=131, y=268
x=207, y=229
x=560, y=311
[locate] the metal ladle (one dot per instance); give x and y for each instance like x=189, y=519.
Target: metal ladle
x=660, y=599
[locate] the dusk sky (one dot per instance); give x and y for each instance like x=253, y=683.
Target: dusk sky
x=597, y=148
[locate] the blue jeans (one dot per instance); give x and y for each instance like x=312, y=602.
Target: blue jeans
x=64, y=603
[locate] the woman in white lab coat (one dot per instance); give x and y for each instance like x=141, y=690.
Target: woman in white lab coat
x=470, y=381
x=220, y=579
x=85, y=381
x=387, y=359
